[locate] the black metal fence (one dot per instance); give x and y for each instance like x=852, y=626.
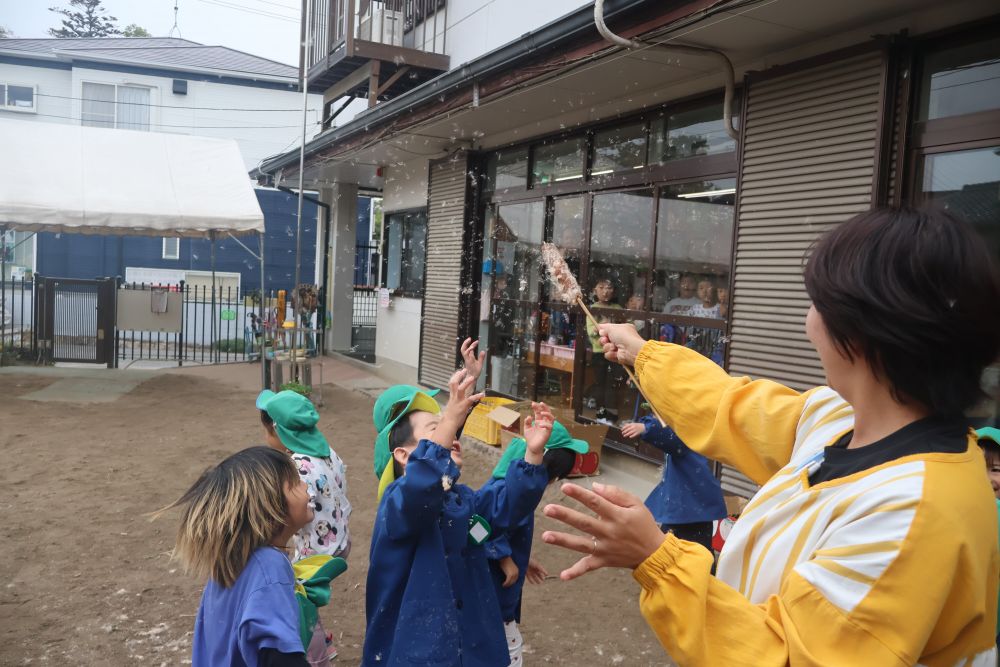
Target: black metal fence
x=17, y=334
x=366, y=261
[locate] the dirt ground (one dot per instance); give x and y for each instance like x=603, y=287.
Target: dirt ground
x=86, y=579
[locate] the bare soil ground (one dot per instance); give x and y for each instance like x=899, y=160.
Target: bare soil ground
x=85, y=576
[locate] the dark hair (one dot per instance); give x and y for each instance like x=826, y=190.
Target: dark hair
x=990, y=445
x=400, y=436
x=266, y=420
x=559, y=462
x=916, y=295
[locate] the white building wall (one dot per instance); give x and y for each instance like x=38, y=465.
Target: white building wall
x=54, y=88
x=260, y=134
x=476, y=27
x=397, y=335
x=405, y=186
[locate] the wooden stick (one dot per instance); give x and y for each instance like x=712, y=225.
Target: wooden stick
x=628, y=370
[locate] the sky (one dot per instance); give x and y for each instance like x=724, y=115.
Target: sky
x=266, y=28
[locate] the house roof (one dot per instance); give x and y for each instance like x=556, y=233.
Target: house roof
x=157, y=52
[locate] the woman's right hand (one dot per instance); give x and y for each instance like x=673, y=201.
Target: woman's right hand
x=621, y=342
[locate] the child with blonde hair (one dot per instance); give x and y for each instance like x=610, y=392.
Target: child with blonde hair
x=237, y=519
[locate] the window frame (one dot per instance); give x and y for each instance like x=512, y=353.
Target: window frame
x=164, y=254
x=386, y=220
x=6, y=92
x=679, y=170
x=116, y=85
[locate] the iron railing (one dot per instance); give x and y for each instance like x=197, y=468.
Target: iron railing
x=17, y=333
x=412, y=24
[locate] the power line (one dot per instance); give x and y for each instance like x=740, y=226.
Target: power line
x=250, y=10
x=163, y=106
x=191, y=127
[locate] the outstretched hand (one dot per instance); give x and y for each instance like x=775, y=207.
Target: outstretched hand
x=623, y=534
x=473, y=363
x=537, y=429
x=461, y=400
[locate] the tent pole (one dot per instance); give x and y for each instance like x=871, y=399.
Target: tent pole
x=214, y=323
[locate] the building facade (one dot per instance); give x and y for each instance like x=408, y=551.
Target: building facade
x=684, y=170
x=161, y=85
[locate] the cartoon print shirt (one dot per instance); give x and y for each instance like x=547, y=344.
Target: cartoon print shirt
x=327, y=533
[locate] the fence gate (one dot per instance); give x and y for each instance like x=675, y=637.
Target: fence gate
x=363, y=323
x=75, y=319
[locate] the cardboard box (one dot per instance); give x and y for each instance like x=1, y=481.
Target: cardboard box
x=511, y=420
x=735, y=504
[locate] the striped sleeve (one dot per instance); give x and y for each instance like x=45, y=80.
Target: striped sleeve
x=750, y=425
x=890, y=582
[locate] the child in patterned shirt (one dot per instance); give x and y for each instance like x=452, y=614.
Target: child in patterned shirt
x=289, y=421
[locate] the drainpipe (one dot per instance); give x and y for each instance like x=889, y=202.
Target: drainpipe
x=723, y=60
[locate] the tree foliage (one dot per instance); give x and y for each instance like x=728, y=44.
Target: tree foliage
x=85, y=18
x=133, y=30
x=5, y=32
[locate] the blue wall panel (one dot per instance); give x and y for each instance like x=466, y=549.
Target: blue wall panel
x=81, y=256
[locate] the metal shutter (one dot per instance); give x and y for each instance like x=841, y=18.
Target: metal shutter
x=810, y=145
x=446, y=198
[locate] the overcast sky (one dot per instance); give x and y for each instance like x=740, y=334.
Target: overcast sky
x=267, y=28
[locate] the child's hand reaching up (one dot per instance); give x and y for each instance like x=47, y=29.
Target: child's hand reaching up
x=537, y=430
x=460, y=403
x=473, y=363
x=633, y=430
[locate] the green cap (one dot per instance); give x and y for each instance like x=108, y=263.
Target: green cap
x=295, y=419
x=989, y=433
x=558, y=439
x=394, y=403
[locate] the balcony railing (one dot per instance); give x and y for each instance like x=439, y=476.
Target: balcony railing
x=404, y=24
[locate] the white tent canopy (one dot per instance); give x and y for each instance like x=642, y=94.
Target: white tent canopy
x=89, y=180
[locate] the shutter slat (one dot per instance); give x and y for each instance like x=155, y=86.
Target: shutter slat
x=808, y=159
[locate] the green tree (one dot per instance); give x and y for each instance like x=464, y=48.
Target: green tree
x=85, y=18
x=5, y=32
x=133, y=30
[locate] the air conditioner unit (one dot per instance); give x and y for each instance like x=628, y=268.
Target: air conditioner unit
x=384, y=26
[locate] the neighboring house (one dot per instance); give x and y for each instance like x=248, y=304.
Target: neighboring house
x=621, y=154
x=163, y=85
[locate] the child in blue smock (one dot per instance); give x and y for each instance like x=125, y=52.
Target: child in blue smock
x=689, y=497
x=238, y=518
x=510, y=551
x=430, y=598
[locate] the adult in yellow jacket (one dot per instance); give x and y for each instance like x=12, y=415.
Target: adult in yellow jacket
x=873, y=539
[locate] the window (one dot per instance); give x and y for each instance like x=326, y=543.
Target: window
x=171, y=248
x=111, y=105
x=690, y=133
x=18, y=98
x=507, y=169
x=960, y=80
x=619, y=149
x=558, y=162
x=694, y=239
x=405, y=253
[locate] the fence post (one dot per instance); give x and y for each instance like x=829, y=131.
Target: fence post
x=180, y=336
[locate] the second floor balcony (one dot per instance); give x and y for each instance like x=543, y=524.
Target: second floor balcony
x=375, y=48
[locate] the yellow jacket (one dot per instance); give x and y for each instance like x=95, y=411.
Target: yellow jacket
x=895, y=565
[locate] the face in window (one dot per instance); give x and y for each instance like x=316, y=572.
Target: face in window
x=688, y=287
x=636, y=302
x=604, y=291
x=706, y=293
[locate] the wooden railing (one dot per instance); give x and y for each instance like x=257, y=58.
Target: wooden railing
x=411, y=24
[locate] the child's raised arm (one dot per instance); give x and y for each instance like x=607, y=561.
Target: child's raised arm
x=416, y=499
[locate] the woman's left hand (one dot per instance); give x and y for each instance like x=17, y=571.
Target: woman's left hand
x=623, y=534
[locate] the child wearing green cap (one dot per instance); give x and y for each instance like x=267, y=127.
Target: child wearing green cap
x=509, y=552
x=289, y=420
x=989, y=440
x=430, y=598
